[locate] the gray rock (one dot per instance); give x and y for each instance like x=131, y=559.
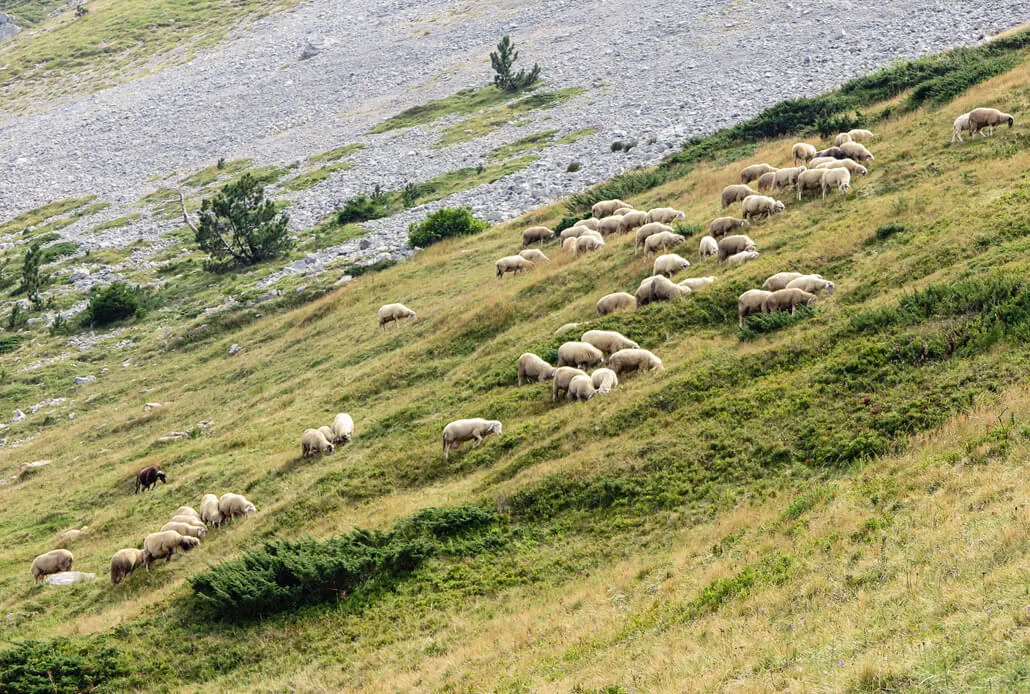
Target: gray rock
x=82, y=380
x=8, y=28
x=18, y=416
x=67, y=578
x=235, y=349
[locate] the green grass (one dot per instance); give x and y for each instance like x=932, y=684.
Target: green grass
x=336, y=153
x=465, y=101
x=209, y=175
x=34, y=218
x=480, y=124
x=314, y=176
x=117, y=222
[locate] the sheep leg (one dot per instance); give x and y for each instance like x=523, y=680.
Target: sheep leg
x=479, y=440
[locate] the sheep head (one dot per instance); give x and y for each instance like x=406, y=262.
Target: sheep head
x=161, y=476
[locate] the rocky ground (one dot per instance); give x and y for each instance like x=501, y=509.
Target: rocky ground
x=321, y=75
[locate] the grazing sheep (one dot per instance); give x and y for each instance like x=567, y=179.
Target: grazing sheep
x=69, y=536
x=836, y=179
x=860, y=135
x=394, y=312
x=731, y=245
x=186, y=529
x=669, y=264
x=462, y=430
x=608, y=341
x=513, y=264
x=811, y=284
x=856, y=151
x=534, y=255
x=709, y=247
x=610, y=303
x=187, y=511
x=536, y=235
x=326, y=432
x=581, y=388
x=569, y=245
x=785, y=178
x=811, y=180
x=610, y=225
x=726, y=225
x=658, y=288
x=579, y=354
x=163, y=544
x=148, y=477
x=343, y=428
x=751, y=302
x=665, y=215
x=312, y=441
x=568, y=327
x=819, y=161
x=533, y=368
x=960, y=124
x=980, y=118
x=741, y=258
x=232, y=505
x=850, y=164
x=841, y=139
x=783, y=299
x=803, y=152
x=662, y=241
x=634, y=360
x=632, y=220
x=750, y=173
x=760, y=204
x=604, y=381
x=835, y=152
x=123, y=563
x=649, y=229
x=735, y=193
x=780, y=280
x=587, y=243
x=590, y=223
x=52, y=562
x=188, y=520
x=574, y=232
x=696, y=283
x=209, y=512
x=766, y=182
x=563, y=376
x=607, y=207
x=621, y=211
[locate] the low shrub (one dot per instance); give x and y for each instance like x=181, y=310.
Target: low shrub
x=114, y=302
x=443, y=224
x=60, y=665
x=360, y=208
x=764, y=323
x=885, y=231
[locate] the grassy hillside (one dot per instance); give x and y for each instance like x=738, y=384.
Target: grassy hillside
x=834, y=504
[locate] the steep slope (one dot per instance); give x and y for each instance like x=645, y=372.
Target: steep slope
x=831, y=504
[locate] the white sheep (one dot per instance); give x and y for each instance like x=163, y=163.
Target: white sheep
x=726, y=225
x=326, y=432
x=649, y=229
x=312, y=441
x=608, y=341
x=162, y=545
x=669, y=264
x=760, y=204
x=513, y=264
x=811, y=284
x=819, y=161
x=633, y=220
x=709, y=247
x=783, y=299
x=568, y=327
x=610, y=225
x=610, y=303
x=836, y=179
x=803, y=152
x=735, y=193
x=604, y=380
x=186, y=529
x=750, y=173
x=810, y=180
x=860, y=135
x=534, y=255
x=780, y=280
x=533, y=368
x=622, y=210
x=342, y=429
x=731, y=245
x=589, y=223
x=850, y=164
x=856, y=151
x=581, y=388
x=750, y=302
x=842, y=138
x=394, y=312
x=536, y=235
x=980, y=118
x=124, y=562
x=741, y=258
x=52, y=562
x=232, y=505
x=634, y=360
x=658, y=288
x=960, y=124
x=462, y=430
x=662, y=241
x=665, y=215
x=607, y=207
x=579, y=354
x=587, y=243
x=785, y=178
x=569, y=245
x=696, y=283
x=574, y=232
x=563, y=376
x=187, y=511
x=767, y=182
x=209, y=512
x=188, y=520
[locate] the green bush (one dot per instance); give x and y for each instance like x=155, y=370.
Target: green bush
x=61, y=665
x=242, y=225
x=443, y=224
x=9, y=343
x=885, y=231
x=58, y=250
x=361, y=208
x=114, y=302
x=764, y=323
x=567, y=222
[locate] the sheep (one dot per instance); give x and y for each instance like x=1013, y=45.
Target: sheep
x=726, y=225
x=163, y=544
x=606, y=207
x=750, y=173
x=850, y=164
x=842, y=138
x=786, y=178
x=536, y=235
x=811, y=284
x=232, y=505
x=634, y=360
x=566, y=328
x=394, y=312
x=187, y=511
x=569, y=245
x=662, y=241
x=52, y=562
x=533, y=368
x=780, y=280
x=186, y=529
x=343, y=428
x=326, y=432
x=513, y=264
x=811, y=180
x=835, y=152
x=574, y=232
x=665, y=215
x=766, y=182
x=980, y=118
x=589, y=223
x=461, y=430
x=669, y=264
x=148, y=477
x=658, y=288
x=123, y=563
x=860, y=135
x=608, y=341
x=581, y=388
x=534, y=255
x=696, y=283
x=585, y=244
x=783, y=299
x=803, y=152
x=610, y=303
x=604, y=380
x=960, y=124
x=579, y=354
x=750, y=302
x=188, y=520
x=610, y=225
x=621, y=211
x=819, y=161
x=731, y=245
x=760, y=204
x=312, y=441
x=647, y=230
x=708, y=248
x=563, y=376
x=209, y=512
x=735, y=193
x=741, y=258
x=836, y=179
x=632, y=220
x=856, y=151
x=69, y=536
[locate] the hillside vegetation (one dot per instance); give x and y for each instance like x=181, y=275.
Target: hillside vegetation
x=835, y=502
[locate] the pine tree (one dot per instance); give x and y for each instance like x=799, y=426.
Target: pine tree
x=503, y=60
